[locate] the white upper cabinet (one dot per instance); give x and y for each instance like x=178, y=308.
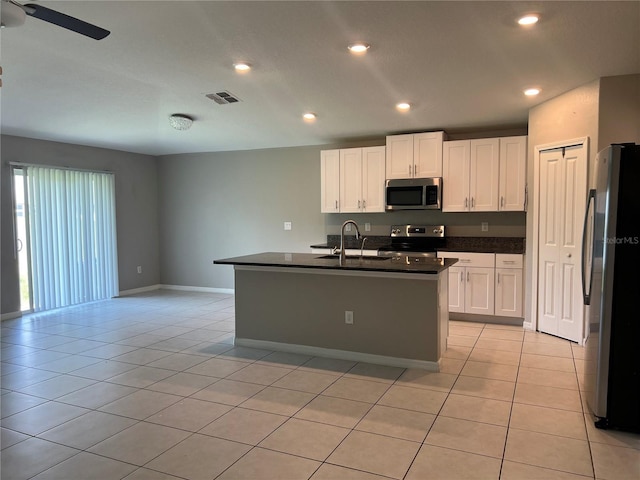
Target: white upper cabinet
x=484, y=175
x=455, y=176
x=416, y=155
x=513, y=171
x=330, y=181
x=353, y=180
x=373, y=179
x=350, y=180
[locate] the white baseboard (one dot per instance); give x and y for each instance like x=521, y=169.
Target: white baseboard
x=182, y=288
x=186, y=288
x=339, y=354
x=134, y=291
x=528, y=326
x=10, y=316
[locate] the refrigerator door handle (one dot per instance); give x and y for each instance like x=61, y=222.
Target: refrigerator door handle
x=591, y=200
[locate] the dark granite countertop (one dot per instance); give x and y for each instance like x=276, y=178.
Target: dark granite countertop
x=401, y=264
x=453, y=244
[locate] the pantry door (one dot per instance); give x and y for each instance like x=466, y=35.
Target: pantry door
x=562, y=194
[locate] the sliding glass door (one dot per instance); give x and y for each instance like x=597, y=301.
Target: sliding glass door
x=70, y=235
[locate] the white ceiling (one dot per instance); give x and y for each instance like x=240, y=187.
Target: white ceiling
x=463, y=65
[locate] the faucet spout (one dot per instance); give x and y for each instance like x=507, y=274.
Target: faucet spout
x=342, y=249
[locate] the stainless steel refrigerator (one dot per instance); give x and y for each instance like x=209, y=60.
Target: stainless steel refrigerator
x=611, y=287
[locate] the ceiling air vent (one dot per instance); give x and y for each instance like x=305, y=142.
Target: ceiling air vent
x=223, y=98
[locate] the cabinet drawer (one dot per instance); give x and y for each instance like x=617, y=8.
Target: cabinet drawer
x=505, y=260
x=467, y=259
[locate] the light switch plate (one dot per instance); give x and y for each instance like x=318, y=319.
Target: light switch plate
x=485, y=226
x=367, y=227
x=287, y=225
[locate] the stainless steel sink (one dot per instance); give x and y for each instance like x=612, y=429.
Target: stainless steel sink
x=354, y=257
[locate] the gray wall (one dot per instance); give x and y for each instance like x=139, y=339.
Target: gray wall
x=571, y=115
x=136, y=207
x=619, y=116
x=606, y=110
x=218, y=205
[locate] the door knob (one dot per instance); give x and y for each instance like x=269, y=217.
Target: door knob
x=568, y=255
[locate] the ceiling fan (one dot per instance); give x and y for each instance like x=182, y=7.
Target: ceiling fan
x=13, y=14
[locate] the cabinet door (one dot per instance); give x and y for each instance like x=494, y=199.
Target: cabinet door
x=479, y=290
x=350, y=180
x=400, y=156
x=427, y=154
x=455, y=176
x=484, y=175
x=330, y=181
x=373, y=177
x=508, y=292
x=513, y=164
x=457, y=281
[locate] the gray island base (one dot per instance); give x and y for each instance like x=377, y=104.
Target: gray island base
x=294, y=303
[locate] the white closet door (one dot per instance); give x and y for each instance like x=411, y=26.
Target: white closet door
x=563, y=186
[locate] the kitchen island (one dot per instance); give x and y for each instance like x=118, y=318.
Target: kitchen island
x=385, y=310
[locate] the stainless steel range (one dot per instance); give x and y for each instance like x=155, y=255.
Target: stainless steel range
x=414, y=241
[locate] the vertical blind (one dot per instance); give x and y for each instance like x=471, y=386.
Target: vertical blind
x=72, y=241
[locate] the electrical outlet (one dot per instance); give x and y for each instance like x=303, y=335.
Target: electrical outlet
x=485, y=226
x=367, y=227
x=139, y=268
x=348, y=317
x=347, y=228
x=287, y=225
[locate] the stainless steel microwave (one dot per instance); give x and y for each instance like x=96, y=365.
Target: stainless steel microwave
x=414, y=194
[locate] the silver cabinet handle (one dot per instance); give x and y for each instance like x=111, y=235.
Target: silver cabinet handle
x=409, y=169
x=467, y=275
x=473, y=202
x=364, y=204
x=498, y=278
x=461, y=278
x=501, y=202
x=526, y=197
x=511, y=262
x=466, y=202
x=415, y=169
x=568, y=255
x=358, y=204
x=336, y=204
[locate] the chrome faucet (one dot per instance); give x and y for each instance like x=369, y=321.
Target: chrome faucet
x=342, y=249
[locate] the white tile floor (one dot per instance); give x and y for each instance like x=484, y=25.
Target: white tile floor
x=151, y=387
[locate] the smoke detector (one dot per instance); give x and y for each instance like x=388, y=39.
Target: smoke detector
x=223, y=97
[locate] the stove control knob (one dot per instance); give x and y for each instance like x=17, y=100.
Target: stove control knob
x=437, y=231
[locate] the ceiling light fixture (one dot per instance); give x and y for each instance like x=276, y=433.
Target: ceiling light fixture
x=180, y=121
x=309, y=117
x=242, y=67
x=532, y=92
x=403, y=106
x=359, y=48
x=530, y=19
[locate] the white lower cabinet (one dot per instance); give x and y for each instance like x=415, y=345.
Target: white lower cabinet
x=471, y=282
x=485, y=283
x=508, y=285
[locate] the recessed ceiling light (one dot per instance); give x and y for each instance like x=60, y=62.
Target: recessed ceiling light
x=528, y=19
x=532, y=92
x=309, y=117
x=242, y=67
x=359, y=47
x=403, y=106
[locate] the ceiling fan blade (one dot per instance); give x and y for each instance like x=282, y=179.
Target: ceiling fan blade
x=66, y=21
